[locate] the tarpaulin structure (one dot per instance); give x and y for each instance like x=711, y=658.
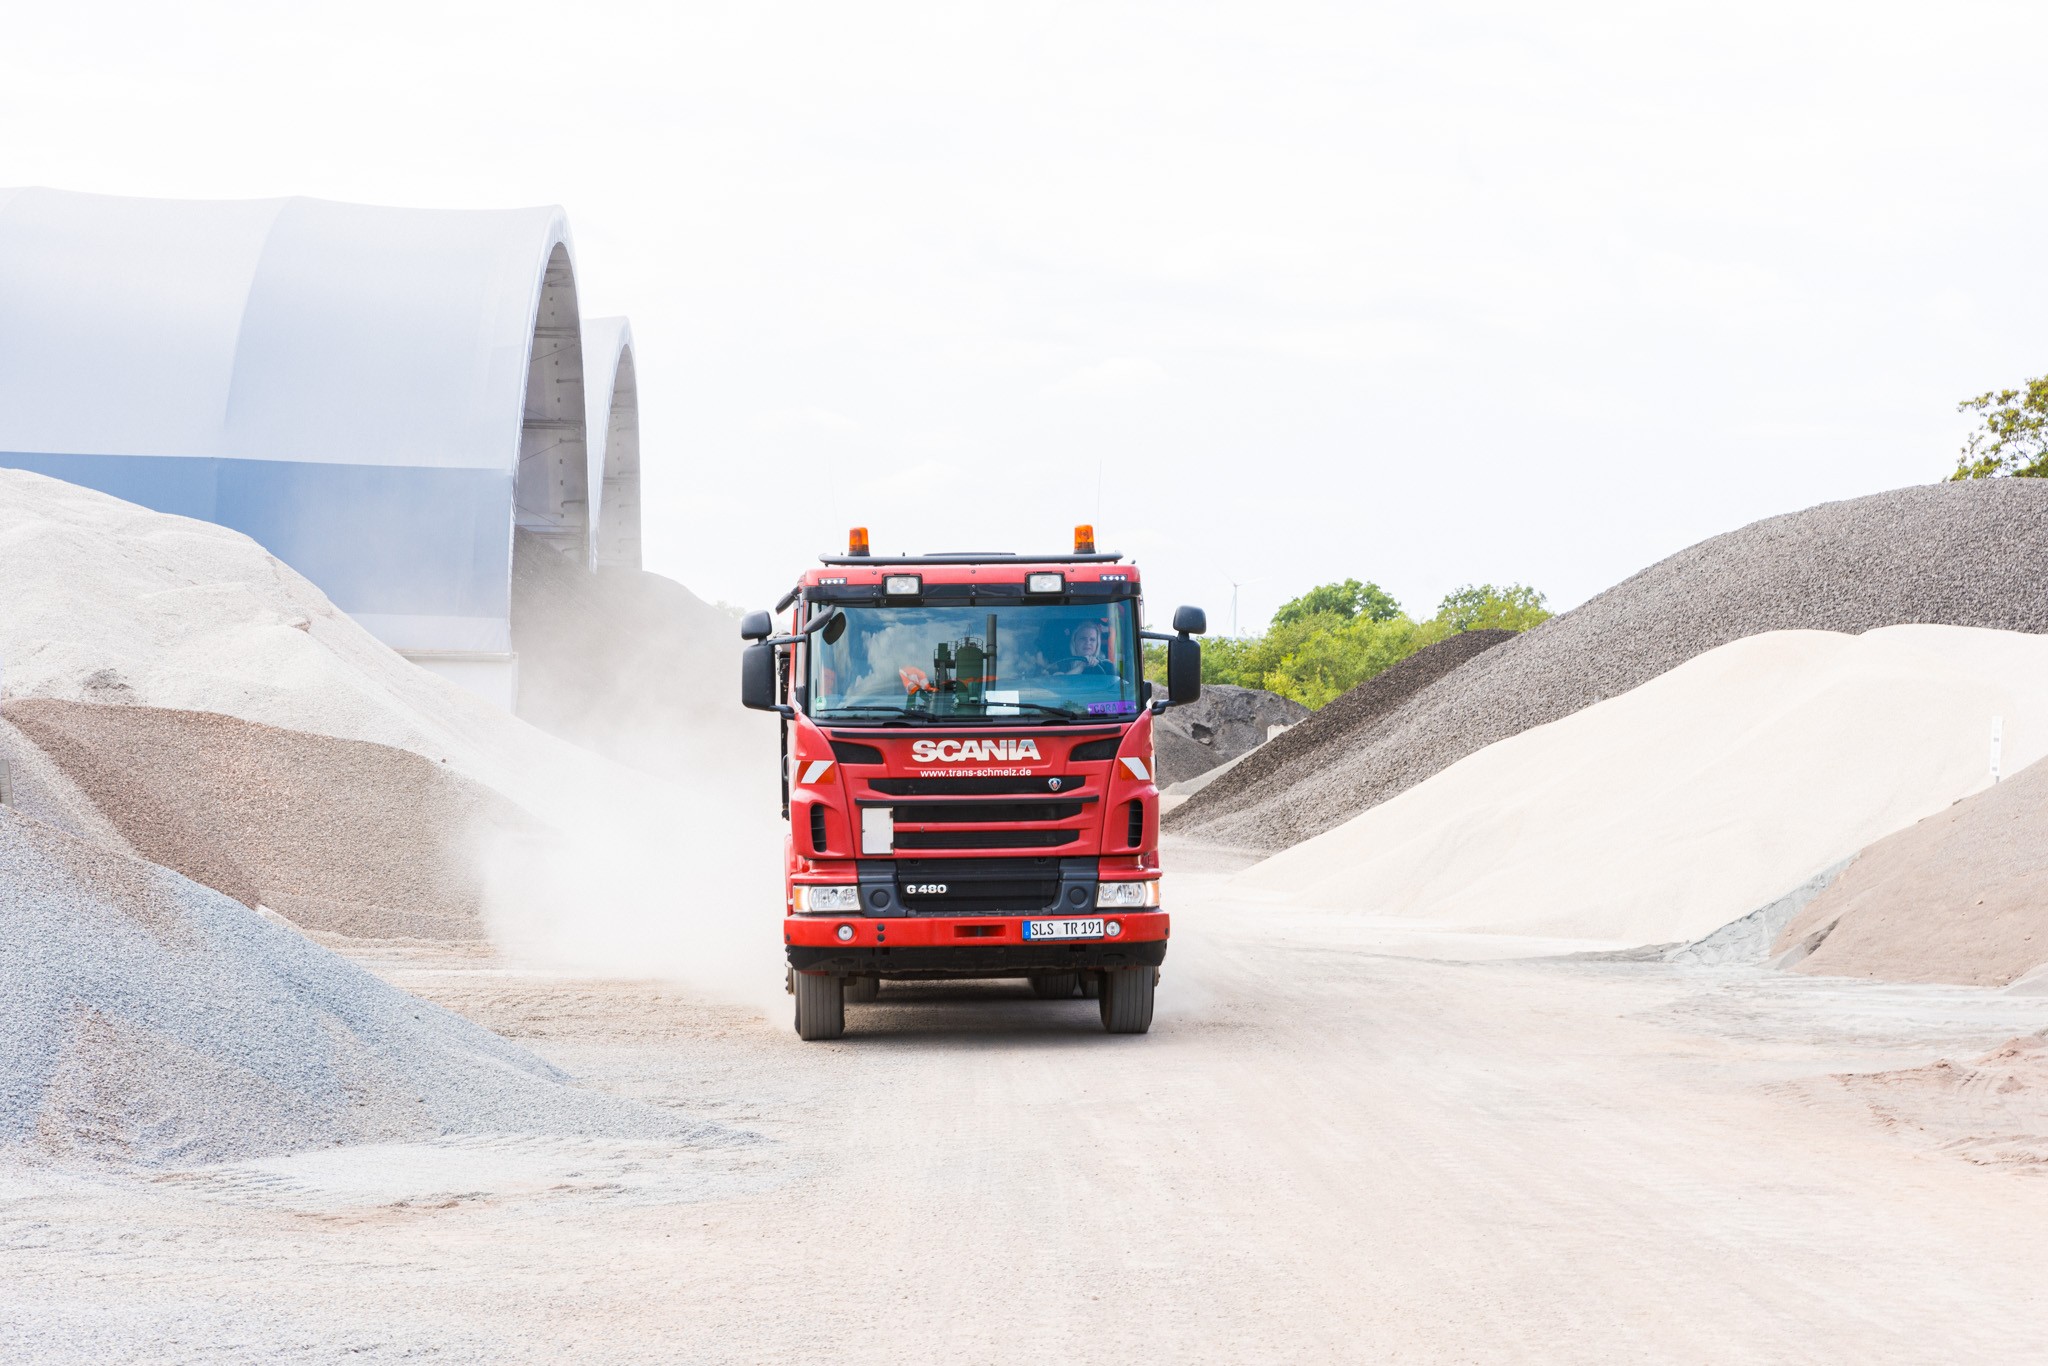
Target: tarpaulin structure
x=376, y=395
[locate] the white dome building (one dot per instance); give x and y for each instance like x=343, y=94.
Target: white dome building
x=377, y=396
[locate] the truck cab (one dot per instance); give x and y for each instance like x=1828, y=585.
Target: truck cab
x=967, y=775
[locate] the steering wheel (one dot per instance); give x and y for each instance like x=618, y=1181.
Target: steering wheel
x=1086, y=666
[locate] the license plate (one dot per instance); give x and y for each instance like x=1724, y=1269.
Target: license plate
x=1063, y=929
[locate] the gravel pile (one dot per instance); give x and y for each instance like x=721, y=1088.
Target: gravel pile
x=1324, y=736
x=337, y=835
x=1961, y=897
x=146, y=1019
x=1224, y=723
x=1967, y=554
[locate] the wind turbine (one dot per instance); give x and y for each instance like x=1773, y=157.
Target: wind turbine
x=1236, y=584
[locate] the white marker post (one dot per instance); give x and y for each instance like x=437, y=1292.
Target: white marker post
x=1997, y=743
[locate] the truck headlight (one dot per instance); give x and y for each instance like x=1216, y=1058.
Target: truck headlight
x=1135, y=895
x=810, y=897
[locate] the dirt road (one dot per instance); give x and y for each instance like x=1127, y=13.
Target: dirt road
x=1339, y=1144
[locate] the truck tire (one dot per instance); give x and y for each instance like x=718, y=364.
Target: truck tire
x=863, y=990
x=1054, y=986
x=1127, y=999
x=820, y=1006
x=1091, y=986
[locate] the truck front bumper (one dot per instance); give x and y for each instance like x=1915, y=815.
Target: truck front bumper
x=980, y=946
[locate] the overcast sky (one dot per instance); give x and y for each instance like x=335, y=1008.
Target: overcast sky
x=1424, y=293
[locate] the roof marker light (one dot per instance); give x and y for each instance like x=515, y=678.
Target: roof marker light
x=857, y=541
x=1084, y=540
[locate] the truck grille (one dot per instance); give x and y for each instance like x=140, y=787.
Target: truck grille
x=975, y=787
x=981, y=886
x=919, y=813
x=984, y=839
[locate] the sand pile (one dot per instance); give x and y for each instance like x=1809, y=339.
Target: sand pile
x=1223, y=724
x=629, y=664
x=1324, y=736
x=1969, y=554
x=1669, y=811
x=144, y=1018
x=337, y=835
x=108, y=602
x=1961, y=897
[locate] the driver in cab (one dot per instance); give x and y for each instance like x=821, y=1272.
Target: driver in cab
x=1085, y=654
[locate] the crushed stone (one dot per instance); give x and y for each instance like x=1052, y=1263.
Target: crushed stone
x=1962, y=554
x=1322, y=738
x=337, y=835
x=1223, y=724
x=1961, y=896
x=145, y=1019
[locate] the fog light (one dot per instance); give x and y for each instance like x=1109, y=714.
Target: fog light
x=1044, y=583
x=1128, y=894
x=1113, y=928
x=846, y=934
x=901, y=585
x=842, y=897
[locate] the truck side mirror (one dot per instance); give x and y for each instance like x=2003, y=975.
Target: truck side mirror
x=756, y=626
x=1183, y=665
x=757, y=676
x=1191, y=621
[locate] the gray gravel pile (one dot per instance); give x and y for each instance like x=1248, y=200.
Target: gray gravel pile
x=146, y=1019
x=1225, y=722
x=1325, y=736
x=1967, y=554
x=337, y=835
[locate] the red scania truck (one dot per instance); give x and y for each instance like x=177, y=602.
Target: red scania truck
x=967, y=774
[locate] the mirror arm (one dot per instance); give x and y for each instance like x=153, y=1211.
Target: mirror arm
x=816, y=623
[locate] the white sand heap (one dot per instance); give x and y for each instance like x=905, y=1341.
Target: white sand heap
x=107, y=602
x=1664, y=813
x=144, y=1018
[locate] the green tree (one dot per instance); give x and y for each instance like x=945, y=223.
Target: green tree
x=1482, y=607
x=1328, y=663
x=1315, y=656
x=2013, y=439
x=1347, y=599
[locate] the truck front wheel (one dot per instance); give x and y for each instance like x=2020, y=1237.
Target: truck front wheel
x=1126, y=999
x=821, y=1006
x=1054, y=986
x=863, y=990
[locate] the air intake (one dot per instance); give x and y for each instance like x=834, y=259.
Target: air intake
x=817, y=827
x=1137, y=835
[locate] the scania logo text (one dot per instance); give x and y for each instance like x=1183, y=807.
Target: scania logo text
x=973, y=751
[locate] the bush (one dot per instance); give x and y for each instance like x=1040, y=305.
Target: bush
x=1332, y=638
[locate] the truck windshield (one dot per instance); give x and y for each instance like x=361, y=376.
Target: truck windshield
x=874, y=663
